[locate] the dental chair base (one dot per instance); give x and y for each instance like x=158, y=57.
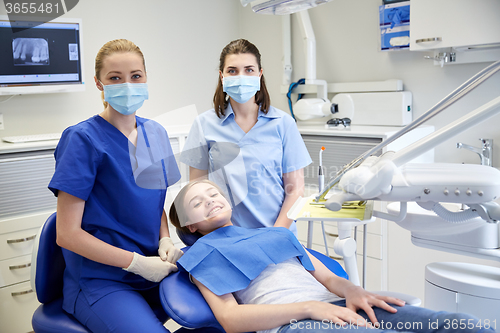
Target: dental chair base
x=462, y=287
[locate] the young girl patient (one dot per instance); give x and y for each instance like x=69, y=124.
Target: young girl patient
x=264, y=279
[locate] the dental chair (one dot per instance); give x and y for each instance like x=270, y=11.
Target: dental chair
x=184, y=303
x=47, y=268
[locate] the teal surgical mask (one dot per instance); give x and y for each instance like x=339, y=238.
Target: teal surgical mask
x=126, y=98
x=241, y=88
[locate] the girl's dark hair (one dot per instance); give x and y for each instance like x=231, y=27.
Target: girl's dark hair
x=262, y=98
x=177, y=214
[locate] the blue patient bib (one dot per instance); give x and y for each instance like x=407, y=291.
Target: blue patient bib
x=229, y=258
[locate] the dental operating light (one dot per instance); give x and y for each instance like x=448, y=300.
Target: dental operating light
x=281, y=7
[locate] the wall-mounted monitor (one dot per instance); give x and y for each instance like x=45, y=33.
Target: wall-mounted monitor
x=45, y=58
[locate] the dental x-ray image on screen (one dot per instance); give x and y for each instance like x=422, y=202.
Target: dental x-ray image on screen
x=30, y=51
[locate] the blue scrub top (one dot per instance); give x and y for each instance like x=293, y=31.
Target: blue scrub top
x=248, y=167
x=124, y=189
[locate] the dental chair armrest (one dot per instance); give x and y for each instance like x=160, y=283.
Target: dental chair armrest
x=175, y=289
x=409, y=299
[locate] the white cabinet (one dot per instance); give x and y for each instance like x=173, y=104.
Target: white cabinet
x=342, y=146
x=25, y=203
x=438, y=24
x=17, y=299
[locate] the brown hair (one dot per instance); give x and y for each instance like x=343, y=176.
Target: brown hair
x=177, y=213
x=261, y=97
x=112, y=47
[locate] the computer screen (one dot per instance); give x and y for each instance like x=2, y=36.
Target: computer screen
x=45, y=58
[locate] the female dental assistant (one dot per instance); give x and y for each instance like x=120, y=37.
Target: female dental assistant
x=252, y=150
x=111, y=175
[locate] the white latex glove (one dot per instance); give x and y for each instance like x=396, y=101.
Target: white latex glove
x=151, y=268
x=168, y=251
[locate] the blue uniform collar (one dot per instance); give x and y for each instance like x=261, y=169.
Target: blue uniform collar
x=271, y=113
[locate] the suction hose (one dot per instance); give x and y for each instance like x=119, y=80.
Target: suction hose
x=454, y=217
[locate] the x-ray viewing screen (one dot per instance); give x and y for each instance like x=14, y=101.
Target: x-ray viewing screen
x=43, y=55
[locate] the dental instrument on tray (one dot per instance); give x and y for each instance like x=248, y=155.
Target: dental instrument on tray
x=321, y=173
x=389, y=177
x=321, y=185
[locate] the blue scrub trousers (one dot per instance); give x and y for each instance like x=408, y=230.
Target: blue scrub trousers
x=407, y=319
x=125, y=311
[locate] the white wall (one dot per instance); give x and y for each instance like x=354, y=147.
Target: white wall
x=347, y=51
x=181, y=41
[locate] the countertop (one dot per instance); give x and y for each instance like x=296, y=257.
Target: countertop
x=354, y=131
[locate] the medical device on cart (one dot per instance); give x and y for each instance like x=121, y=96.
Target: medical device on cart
x=390, y=178
x=436, y=190
x=431, y=186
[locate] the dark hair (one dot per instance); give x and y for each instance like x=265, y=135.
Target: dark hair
x=177, y=214
x=261, y=97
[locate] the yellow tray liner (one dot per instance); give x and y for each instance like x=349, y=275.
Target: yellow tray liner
x=319, y=211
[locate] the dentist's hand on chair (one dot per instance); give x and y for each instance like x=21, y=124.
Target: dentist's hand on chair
x=167, y=251
x=151, y=268
x=357, y=298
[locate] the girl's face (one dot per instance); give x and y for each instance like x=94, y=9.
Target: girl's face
x=122, y=67
x=206, y=209
x=241, y=64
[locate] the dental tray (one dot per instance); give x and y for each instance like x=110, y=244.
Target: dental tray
x=307, y=209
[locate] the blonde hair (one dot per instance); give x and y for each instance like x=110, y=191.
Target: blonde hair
x=112, y=47
x=177, y=213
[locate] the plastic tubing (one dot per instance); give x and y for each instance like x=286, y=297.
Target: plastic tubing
x=454, y=217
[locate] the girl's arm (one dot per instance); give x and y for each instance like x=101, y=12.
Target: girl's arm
x=166, y=248
x=164, y=232
x=71, y=236
x=197, y=174
x=294, y=188
x=235, y=317
x=356, y=297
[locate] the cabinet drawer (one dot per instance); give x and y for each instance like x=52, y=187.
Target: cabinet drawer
x=15, y=270
x=19, y=243
x=17, y=304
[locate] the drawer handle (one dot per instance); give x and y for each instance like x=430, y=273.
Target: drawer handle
x=336, y=258
x=20, y=240
x=24, y=292
x=424, y=40
x=20, y=266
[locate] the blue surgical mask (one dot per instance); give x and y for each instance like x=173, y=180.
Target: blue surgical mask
x=126, y=98
x=241, y=88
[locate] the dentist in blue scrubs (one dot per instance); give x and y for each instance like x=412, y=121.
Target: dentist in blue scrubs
x=111, y=175
x=253, y=151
